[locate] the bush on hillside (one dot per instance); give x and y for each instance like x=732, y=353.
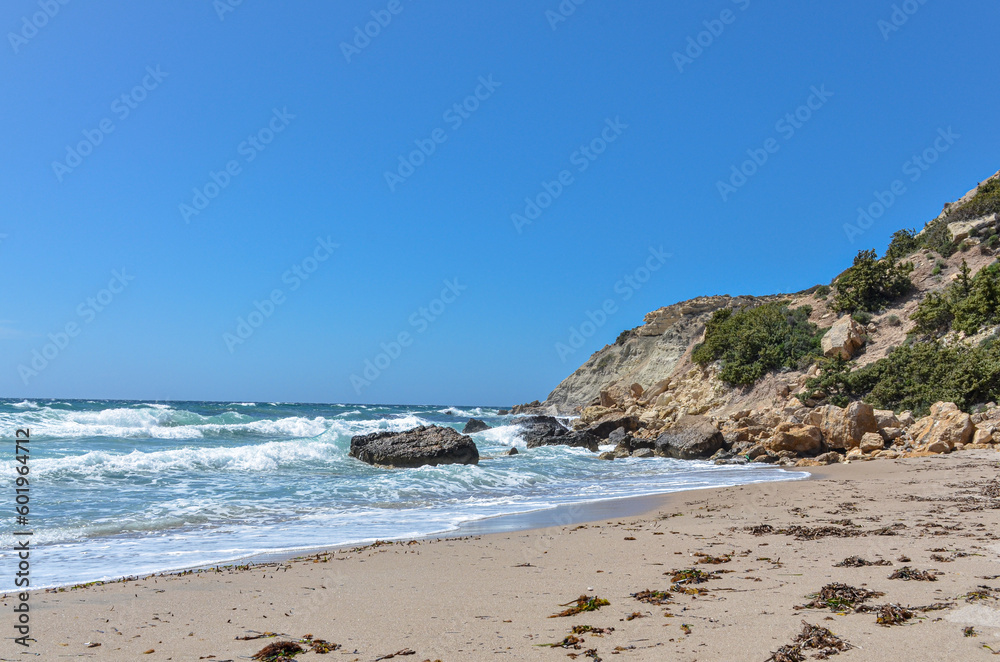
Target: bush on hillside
x=871, y=283
x=754, y=341
x=967, y=305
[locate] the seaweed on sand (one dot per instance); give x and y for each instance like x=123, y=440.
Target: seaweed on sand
x=582, y=604
x=906, y=573
x=839, y=597
x=892, y=614
x=858, y=562
x=812, y=637
x=653, y=597
x=278, y=651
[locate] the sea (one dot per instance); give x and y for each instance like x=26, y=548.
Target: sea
x=121, y=488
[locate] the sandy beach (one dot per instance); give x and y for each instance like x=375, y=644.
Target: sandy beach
x=762, y=551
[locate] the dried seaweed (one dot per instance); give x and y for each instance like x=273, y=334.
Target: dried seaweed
x=906, y=573
x=812, y=637
x=713, y=560
x=587, y=629
x=891, y=614
x=582, y=604
x=839, y=597
x=653, y=597
x=858, y=562
x=277, y=651
x=570, y=641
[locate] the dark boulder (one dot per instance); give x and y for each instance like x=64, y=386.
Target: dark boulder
x=425, y=445
x=603, y=429
x=547, y=431
x=474, y=425
x=690, y=438
x=510, y=451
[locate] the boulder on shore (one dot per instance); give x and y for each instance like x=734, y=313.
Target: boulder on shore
x=795, y=437
x=943, y=429
x=547, y=431
x=424, y=445
x=690, y=438
x=475, y=425
x=844, y=428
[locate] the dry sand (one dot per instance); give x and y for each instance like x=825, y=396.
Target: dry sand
x=489, y=597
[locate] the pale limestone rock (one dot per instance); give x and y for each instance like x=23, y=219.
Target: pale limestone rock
x=946, y=424
x=982, y=436
x=796, y=438
x=886, y=418
x=843, y=339
x=871, y=442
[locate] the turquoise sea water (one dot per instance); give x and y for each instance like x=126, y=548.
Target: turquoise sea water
x=124, y=488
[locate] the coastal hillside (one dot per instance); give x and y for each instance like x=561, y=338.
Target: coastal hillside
x=899, y=332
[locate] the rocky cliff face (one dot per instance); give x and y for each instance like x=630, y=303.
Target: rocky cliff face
x=645, y=355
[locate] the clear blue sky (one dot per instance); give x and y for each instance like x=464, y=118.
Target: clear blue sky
x=317, y=167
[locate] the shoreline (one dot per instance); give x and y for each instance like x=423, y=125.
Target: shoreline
x=764, y=548
x=541, y=518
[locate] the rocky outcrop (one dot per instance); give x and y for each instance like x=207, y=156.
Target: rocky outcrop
x=425, y=445
x=843, y=339
x=844, y=428
x=795, y=437
x=945, y=428
x=690, y=438
x=547, y=431
x=641, y=357
x=475, y=425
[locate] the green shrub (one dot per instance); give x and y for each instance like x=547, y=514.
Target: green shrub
x=871, y=283
x=751, y=342
x=936, y=270
x=968, y=305
x=822, y=291
x=862, y=317
x=918, y=375
x=937, y=237
x=986, y=201
x=893, y=320
x=992, y=241
x=904, y=242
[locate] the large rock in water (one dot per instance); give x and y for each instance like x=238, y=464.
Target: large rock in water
x=690, y=438
x=475, y=425
x=547, y=431
x=420, y=446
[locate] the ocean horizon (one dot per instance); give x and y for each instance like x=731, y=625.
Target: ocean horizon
x=123, y=488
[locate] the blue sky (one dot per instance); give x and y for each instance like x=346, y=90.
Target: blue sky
x=306, y=261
